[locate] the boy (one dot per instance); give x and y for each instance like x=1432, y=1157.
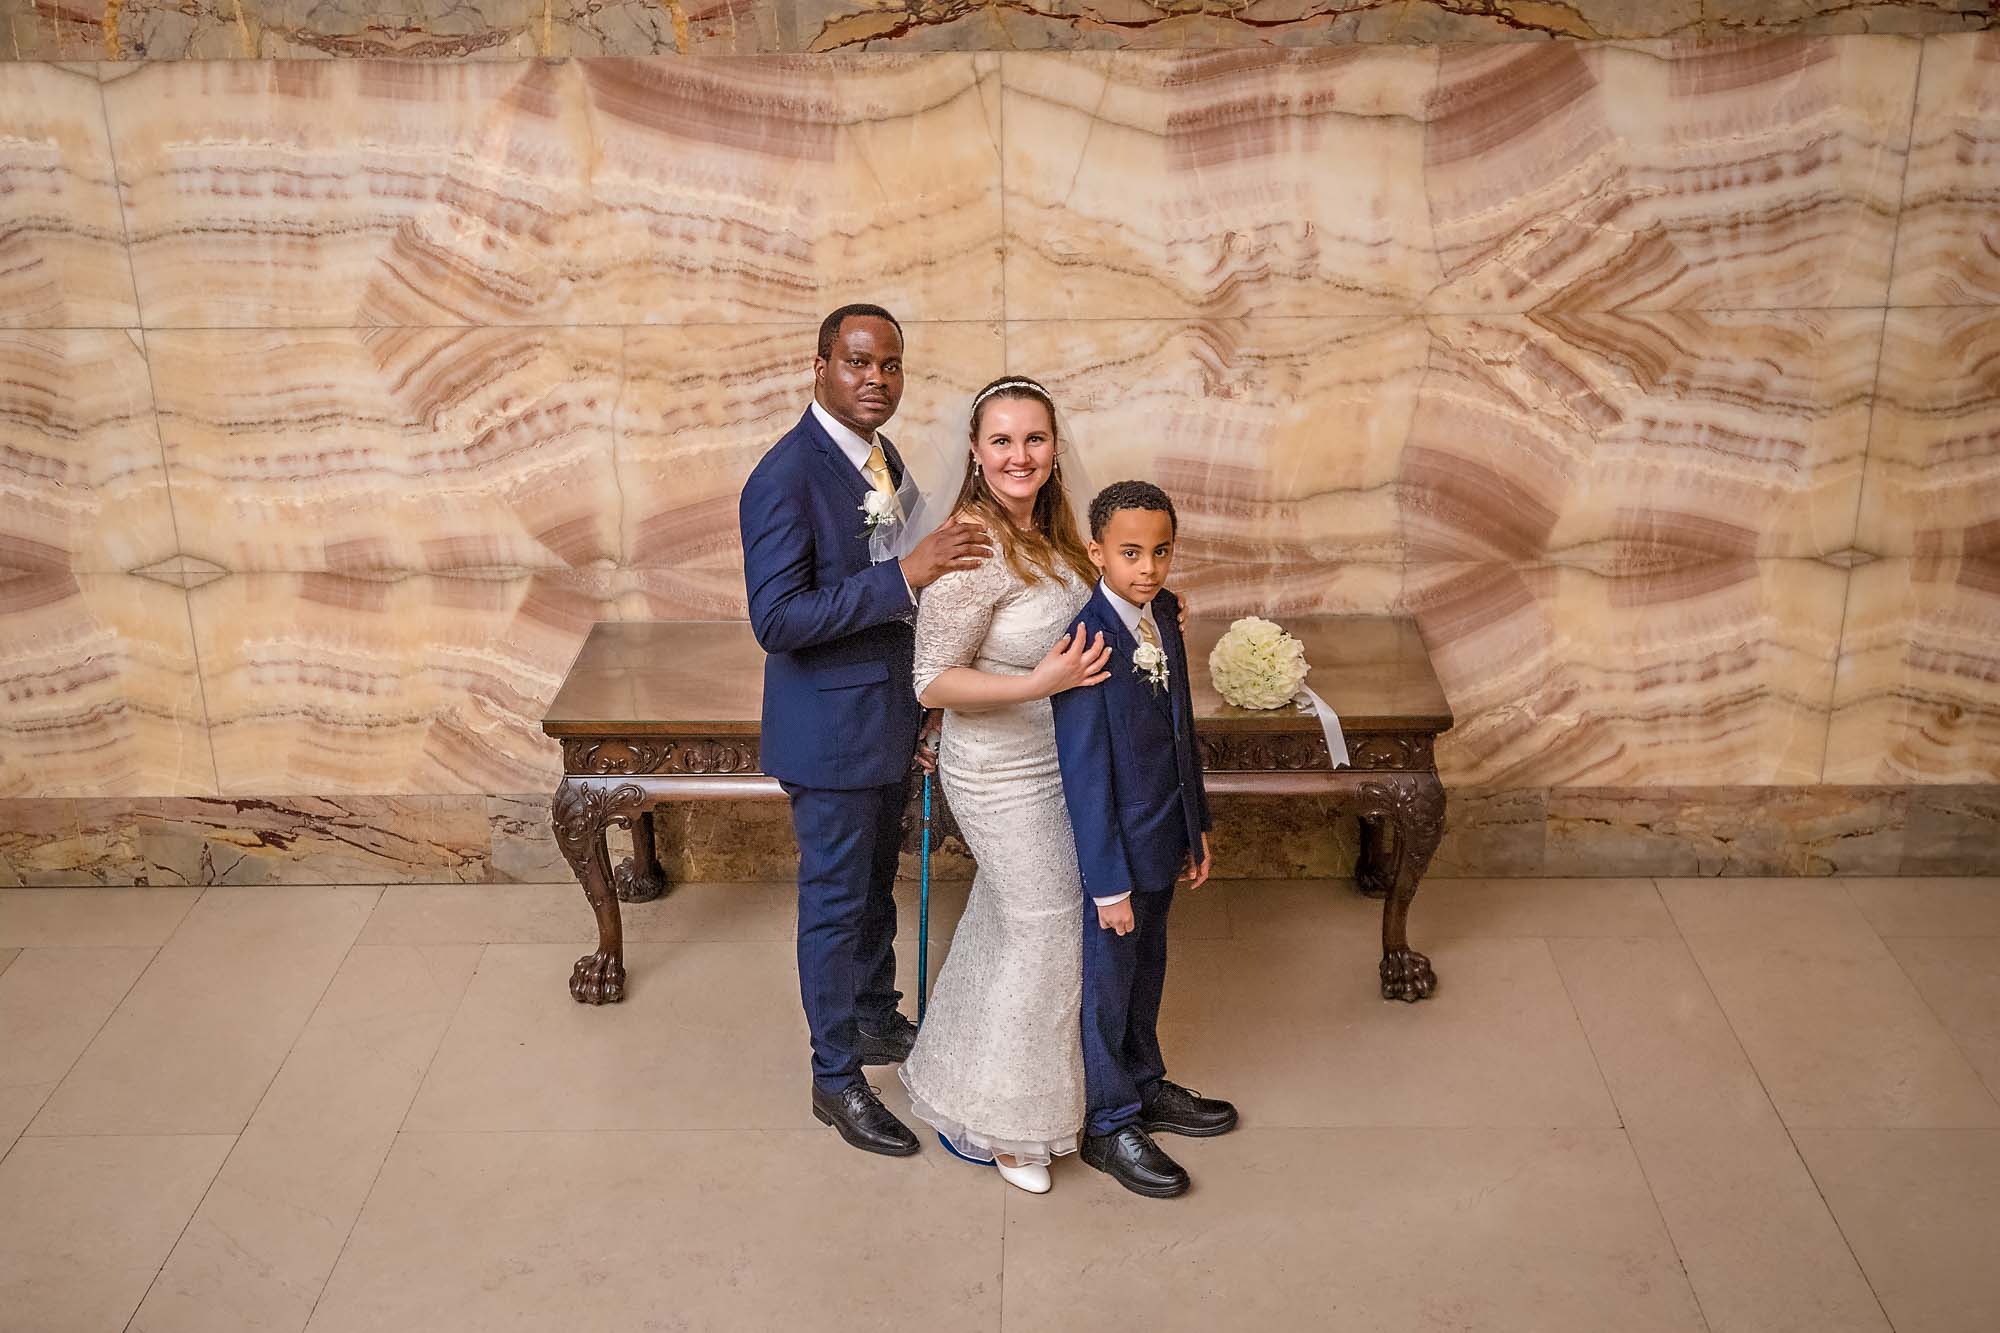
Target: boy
x=1132, y=780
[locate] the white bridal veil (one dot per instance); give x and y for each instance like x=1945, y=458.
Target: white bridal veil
x=933, y=470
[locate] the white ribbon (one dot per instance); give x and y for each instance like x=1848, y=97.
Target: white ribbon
x=1329, y=722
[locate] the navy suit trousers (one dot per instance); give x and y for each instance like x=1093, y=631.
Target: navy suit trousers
x=1122, y=979
x=848, y=842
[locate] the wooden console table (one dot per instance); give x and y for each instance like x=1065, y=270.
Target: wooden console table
x=659, y=711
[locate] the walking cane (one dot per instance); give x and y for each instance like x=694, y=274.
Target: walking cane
x=924, y=911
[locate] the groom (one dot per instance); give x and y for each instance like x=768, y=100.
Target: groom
x=840, y=711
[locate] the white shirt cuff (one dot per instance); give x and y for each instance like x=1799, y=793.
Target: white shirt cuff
x=1113, y=900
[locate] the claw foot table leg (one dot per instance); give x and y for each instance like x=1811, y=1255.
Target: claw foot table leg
x=582, y=811
x=1411, y=806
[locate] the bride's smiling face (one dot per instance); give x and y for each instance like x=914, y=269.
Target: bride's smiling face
x=1015, y=450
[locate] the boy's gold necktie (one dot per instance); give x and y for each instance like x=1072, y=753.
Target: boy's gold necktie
x=1147, y=634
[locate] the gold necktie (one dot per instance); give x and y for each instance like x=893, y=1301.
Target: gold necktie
x=878, y=469
x=1147, y=634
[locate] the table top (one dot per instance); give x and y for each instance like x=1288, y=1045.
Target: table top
x=705, y=677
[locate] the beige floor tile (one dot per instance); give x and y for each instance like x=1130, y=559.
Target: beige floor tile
x=1897, y=907
x=1296, y=908
x=722, y=1231
x=1551, y=908
x=1762, y=1251
x=1918, y=1206
x=193, y=1046
x=83, y=918
x=52, y=1002
x=85, y=1222
x=1297, y=1033
x=7, y=957
x=1960, y=980
x=557, y=913
x=1796, y=909
x=263, y=1241
x=1661, y=1040
x=1759, y=1245
x=1835, y=1029
x=709, y=1036
x=1432, y=1229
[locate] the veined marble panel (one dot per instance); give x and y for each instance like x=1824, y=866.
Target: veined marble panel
x=1217, y=184
x=334, y=685
x=82, y=484
x=1668, y=175
x=611, y=191
x=1933, y=484
x=701, y=405
x=729, y=191
x=1280, y=440
x=1709, y=674
x=351, y=450
x=98, y=693
x=1724, y=830
x=507, y=29
x=1948, y=245
x=287, y=194
x=1918, y=694
x=62, y=248
x=1629, y=442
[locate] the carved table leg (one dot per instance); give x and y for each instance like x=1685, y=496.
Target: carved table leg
x=1412, y=804
x=639, y=877
x=581, y=813
x=1373, y=872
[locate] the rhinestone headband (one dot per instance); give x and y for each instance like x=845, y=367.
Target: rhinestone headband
x=1029, y=385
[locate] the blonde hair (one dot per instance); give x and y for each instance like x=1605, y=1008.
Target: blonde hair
x=1052, y=541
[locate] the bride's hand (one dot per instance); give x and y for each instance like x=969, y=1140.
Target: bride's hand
x=1074, y=661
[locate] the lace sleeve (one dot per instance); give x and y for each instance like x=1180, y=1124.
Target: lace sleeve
x=953, y=615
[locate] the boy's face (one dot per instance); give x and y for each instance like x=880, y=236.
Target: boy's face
x=1134, y=552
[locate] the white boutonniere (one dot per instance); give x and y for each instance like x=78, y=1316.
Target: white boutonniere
x=878, y=510
x=1150, y=662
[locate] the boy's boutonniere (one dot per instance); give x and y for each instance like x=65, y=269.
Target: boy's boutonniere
x=878, y=510
x=1149, y=661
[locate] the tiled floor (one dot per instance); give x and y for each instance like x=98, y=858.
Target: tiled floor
x=1754, y=1106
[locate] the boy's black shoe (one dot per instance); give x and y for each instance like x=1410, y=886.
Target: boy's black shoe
x=887, y=1042
x=1130, y=1157
x=863, y=1121
x=1172, y=1109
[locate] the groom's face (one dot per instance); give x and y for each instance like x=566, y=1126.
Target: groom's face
x=861, y=382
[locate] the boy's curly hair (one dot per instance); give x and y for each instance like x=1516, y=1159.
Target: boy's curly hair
x=1130, y=495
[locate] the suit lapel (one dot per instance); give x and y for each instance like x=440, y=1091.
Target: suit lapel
x=845, y=473
x=1176, y=650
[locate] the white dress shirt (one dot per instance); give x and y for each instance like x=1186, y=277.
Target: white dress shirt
x=857, y=450
x=1132, y=616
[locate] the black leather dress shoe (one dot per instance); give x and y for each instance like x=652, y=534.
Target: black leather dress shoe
x=888, y=1042
x=1172, y=1109
x=1130, y=1157
x=863, y=1121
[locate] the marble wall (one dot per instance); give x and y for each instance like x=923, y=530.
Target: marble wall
x=1660, y=380
x=512, y=29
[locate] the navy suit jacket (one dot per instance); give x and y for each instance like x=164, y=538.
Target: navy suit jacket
x=1130, y=770
x=840, y=706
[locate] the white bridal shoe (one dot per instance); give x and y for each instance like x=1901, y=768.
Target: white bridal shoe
x=1032, y=1177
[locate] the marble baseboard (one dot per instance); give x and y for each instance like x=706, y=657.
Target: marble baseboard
x=510, y=29
x=1491, y=833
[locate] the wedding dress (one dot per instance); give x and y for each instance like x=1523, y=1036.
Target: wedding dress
x=998, y=1065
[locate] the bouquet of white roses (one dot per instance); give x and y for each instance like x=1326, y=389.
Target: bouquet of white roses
x=1257, y=665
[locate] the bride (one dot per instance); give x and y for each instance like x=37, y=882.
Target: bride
x=998, y=1064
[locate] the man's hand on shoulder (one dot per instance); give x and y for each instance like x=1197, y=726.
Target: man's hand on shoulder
x=963, y=544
